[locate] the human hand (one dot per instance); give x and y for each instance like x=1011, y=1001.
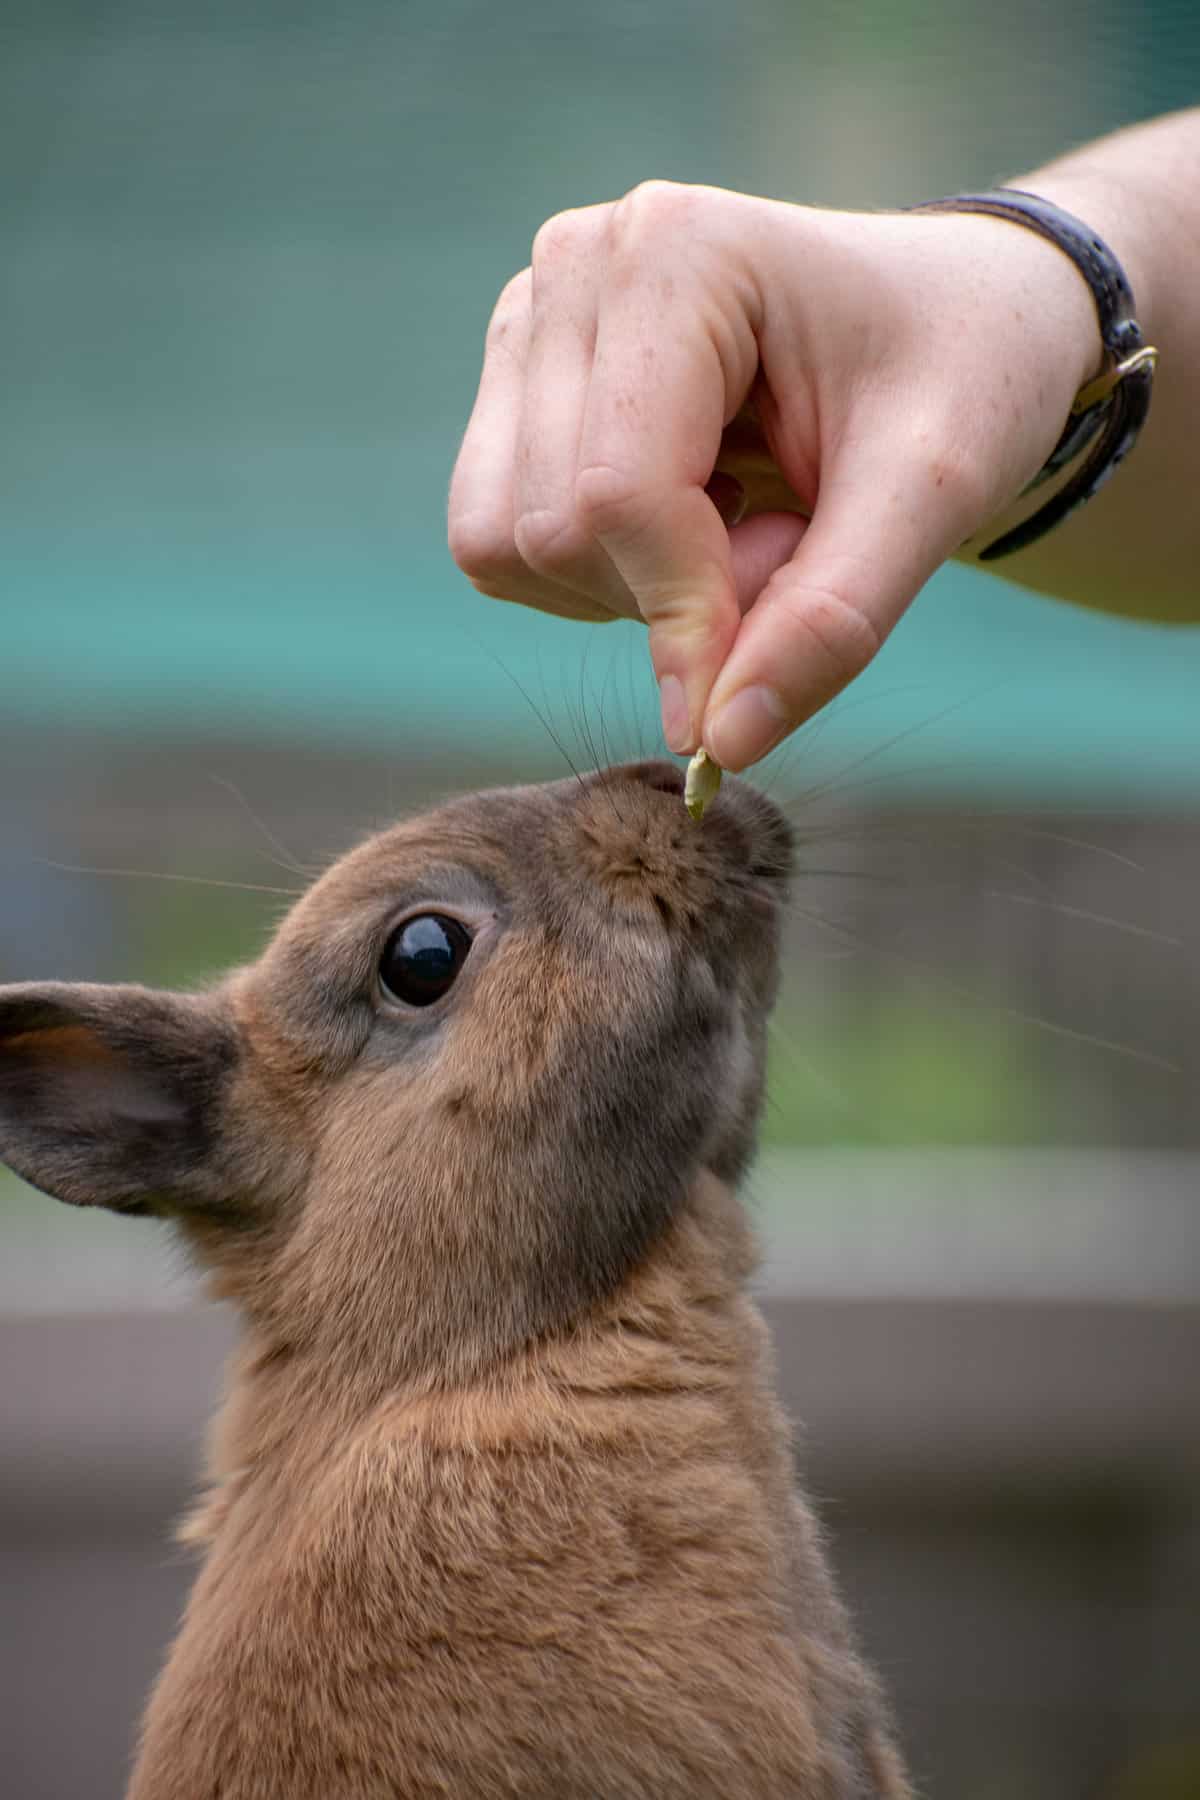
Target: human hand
x=761, y=428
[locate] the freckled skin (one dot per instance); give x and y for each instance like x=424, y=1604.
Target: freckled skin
x=502, y=1501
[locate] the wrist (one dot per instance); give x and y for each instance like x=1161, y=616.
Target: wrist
x=1114, y=213
x=1109, y=409
x=1040, y=312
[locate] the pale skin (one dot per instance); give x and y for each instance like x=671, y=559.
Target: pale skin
x=762, y=427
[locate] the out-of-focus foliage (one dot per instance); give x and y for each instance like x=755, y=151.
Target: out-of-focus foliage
x=911, y=1072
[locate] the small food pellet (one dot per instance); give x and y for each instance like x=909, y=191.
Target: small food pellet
x=701, y=784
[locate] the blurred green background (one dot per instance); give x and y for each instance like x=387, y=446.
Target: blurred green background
x=247, y=256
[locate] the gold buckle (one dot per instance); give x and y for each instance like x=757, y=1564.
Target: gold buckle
x=1102, y=386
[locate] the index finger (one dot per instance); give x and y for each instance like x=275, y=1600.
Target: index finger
x=659, y=397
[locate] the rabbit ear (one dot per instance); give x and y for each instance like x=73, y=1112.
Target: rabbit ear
x=109, y=1096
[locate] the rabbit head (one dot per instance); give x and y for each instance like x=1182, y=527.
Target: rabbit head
x=467, y=1085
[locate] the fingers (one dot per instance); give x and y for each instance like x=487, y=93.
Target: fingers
x=548, y=534
x=611, y=369
x=685, y=340
x=482, y=507
x=657, y=405
x=880, y=529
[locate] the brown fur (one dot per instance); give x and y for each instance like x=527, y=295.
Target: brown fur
x=502, y=1500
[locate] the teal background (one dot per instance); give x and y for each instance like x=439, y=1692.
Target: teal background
x=248, y=256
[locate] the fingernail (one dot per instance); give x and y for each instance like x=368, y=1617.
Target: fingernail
x=677, y=727
x=746, y=727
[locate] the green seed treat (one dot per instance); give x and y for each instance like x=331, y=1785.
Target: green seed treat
x=701, y=784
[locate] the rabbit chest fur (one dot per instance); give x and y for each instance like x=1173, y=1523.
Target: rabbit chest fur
x=501, y=1501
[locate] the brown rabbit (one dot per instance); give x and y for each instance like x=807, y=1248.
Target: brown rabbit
x=502, y=1499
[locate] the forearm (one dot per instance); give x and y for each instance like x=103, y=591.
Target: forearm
x=1135, y=548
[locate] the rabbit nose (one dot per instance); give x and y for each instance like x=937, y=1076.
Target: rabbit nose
x=656, y=773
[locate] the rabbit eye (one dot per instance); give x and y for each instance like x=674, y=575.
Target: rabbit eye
x=422, y=957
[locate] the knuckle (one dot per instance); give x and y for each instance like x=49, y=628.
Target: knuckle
x=607, y=499
x=560, y=238
x=683, y=633
x=650, y=208
x=510, y=310
x=483, y=549
x=548, y=542
x=839, y=628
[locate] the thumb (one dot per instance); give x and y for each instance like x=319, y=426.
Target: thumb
x=877, y=534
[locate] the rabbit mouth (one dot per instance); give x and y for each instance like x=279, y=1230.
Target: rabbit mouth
x=631, y=837
x=761, y=843
x=661, y=777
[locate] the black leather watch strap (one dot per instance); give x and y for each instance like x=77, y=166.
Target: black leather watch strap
x=1109, y=411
